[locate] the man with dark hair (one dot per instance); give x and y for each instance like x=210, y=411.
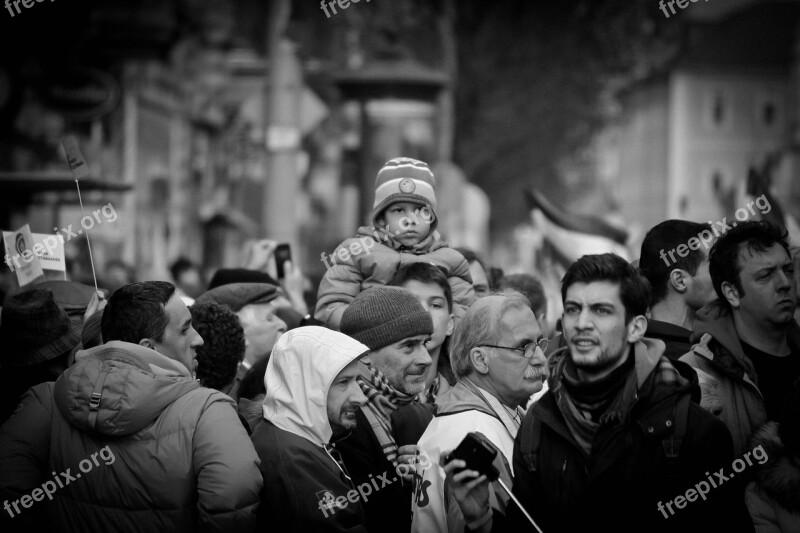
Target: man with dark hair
x=679, y=287
x=223, y=347
x=748, y=345
x=429, y=285
x=176, y=456
x=616, y=438
x=532, y=289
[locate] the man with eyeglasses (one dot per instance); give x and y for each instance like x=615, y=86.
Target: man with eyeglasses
x=498, y=357
x=615, y=444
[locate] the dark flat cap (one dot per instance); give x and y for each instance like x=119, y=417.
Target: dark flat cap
x=237, y=295
x=226, y=276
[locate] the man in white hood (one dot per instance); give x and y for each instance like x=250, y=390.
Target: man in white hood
x=312, y=398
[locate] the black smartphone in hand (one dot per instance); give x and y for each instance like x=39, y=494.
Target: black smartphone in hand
x=282, y=254
x=478, y=455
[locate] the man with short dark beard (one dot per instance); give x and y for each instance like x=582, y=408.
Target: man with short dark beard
x=312, y=399
x=616, y=442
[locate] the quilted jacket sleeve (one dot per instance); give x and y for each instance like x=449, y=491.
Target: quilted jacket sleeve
x=226, y=464
x=461, y=285
x=338, y=288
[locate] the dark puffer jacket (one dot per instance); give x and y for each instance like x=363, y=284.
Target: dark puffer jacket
x=620, y=485
x=149, y=449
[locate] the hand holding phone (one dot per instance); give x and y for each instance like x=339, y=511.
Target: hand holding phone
x=282, y=254
x=478, y=455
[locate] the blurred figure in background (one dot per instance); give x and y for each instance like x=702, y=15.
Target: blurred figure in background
x=116, y=274
x=532, y=289
x=188, y=279
x=480, y=279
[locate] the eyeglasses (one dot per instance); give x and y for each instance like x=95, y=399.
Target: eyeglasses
x=527, y=350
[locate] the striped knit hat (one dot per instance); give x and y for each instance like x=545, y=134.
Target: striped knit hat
x=403, y=179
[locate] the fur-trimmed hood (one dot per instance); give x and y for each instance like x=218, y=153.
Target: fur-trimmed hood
x=779, y=476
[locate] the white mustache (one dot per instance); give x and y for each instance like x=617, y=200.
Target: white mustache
x=535, y=372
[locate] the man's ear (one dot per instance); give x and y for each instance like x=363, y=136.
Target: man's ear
x=677, y=279
x=451, y=325
x=147, y=343
x=637, y=328
x=731, y=293
x=480, y=363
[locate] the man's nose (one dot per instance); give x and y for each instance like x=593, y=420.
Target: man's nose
x=538, y=357
x=584, y=319
x=784, y=280
x=356, y=394
x=197, y=341
x=422, y=357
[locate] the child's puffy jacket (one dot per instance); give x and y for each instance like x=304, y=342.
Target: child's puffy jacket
x=373, y=258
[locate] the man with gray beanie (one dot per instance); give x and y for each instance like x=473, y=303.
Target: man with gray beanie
x=382, y=448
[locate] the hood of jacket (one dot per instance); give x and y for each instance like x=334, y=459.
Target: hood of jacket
x=460, y=398
x=779, y=476
x=119, y=388
x=303, y=365
x=430, y=243
x=716, y=319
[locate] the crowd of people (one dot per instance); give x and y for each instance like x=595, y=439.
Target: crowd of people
x=421, y=393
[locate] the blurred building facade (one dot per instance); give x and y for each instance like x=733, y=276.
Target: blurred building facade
x=688, y=137
x=209, y=124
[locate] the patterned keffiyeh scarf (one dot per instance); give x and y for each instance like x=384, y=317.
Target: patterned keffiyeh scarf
x=614, y=408
x=382, y=400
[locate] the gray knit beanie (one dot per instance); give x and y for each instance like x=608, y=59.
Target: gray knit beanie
x=381, y=316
